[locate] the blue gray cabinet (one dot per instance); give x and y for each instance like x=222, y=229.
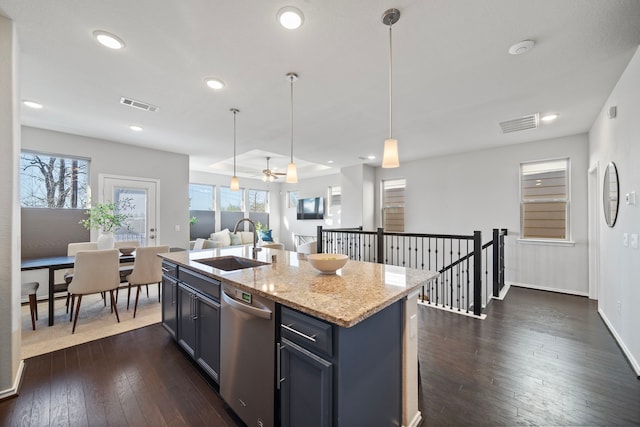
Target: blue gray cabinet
x=198, y=322
x=334, y=376
x=169, y=297
x=305, y=387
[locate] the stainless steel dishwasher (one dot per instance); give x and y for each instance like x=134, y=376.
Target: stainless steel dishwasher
x=247, y=352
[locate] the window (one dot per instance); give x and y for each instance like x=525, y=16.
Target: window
x=52, y=181
x=201, y=197
x=258, y=200
x=292, y=199
x=335, y=195
x=544, y=203
x=393, y=205
x=231, y=201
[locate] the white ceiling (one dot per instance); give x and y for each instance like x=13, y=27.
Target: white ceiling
x=453, y=78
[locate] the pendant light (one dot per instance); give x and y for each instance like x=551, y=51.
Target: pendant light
x=235, y=184
x=390, y=156
x=292, y=172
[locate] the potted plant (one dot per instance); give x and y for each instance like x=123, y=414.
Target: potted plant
x=107, y=217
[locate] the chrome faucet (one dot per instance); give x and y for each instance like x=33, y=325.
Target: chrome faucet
x=255, y=234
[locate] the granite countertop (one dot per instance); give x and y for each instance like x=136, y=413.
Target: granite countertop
x=357, y=291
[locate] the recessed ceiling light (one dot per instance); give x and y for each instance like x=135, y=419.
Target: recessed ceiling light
x=521, y=47
x=549, y=118
x=214, y=83
x=371, y=157
x=135, y=128
x=329, y=161
x=32, y=104
x=290, y=17
x=109, y=40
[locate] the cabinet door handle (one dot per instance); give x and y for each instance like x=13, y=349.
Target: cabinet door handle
x=173, y=293
x=311, y=338
x=195, y=307
x=165, y=269
x=279, y=365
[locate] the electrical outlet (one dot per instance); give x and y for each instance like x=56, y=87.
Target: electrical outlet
x=177, y=228
x=625, y=239
x=634, y=241
x=619, y=307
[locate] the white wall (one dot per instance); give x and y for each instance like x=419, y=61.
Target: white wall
x=10, y=319
x=479, y=190
x=108, y=157
x=312, y=187
x=357, y=184
x=618, y=140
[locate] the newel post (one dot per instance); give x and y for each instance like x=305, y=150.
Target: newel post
x=380, y=244
x=477, y=273
x=319, y=239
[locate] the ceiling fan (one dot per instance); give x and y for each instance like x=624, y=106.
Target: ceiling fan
x=268, y=175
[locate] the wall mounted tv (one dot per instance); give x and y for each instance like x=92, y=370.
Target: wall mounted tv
x=311, y=208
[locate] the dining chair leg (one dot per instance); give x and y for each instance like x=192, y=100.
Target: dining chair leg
x=128, y=296
x=147, y=291
x=135, y=307
x=33, y=308
x=114, y=306
x=73, y=300
x=77, y=312
x=67, y=303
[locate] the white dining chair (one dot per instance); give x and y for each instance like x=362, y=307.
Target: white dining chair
x=147, y=269
x=94, y=272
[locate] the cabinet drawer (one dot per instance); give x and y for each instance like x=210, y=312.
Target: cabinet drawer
x=307, y=331
x=201, y=283
x=169, y=269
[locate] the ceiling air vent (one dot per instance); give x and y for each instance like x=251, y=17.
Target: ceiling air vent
x=521, y=123
x=138, y=104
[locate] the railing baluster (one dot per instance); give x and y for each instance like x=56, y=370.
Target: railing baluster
x=438, y=253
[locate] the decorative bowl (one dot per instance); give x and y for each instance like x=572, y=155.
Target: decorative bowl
x=327, y=263
x=126, y=251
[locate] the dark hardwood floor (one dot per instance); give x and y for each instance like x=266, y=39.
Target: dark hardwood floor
x=538, y=359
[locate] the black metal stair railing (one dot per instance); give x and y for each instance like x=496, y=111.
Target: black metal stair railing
x=458, y=259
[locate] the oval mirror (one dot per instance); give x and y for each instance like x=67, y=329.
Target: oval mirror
x=610, y=190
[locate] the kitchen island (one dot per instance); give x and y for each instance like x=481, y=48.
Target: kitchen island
x=344, y=346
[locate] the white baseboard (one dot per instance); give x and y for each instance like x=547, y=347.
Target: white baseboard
x=544, y=288
x=13, y=391
x=451, y=310
x=625, y=350
x=417, y=418
x=503, y=292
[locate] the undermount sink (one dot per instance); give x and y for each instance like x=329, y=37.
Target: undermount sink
x=230, y=263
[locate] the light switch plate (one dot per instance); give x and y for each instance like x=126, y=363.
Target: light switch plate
x=625, y=239
x=634, y=241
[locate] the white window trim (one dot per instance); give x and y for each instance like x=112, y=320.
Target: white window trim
x=568, y=241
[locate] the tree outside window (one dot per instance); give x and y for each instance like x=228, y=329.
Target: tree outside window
x=258, y=200
x=50, y=181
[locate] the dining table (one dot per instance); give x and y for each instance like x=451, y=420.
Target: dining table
x=53, y=264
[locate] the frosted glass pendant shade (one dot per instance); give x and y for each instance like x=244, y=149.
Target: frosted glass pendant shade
x=235, y=183
x=390, y=156
x=292, y=173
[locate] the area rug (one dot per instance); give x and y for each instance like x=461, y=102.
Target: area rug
x=95, y=321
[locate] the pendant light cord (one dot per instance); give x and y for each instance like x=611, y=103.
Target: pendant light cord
x=291, y=120
x=234, y=142
x=390, y=84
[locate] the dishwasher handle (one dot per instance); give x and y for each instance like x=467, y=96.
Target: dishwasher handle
x=263, y=313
